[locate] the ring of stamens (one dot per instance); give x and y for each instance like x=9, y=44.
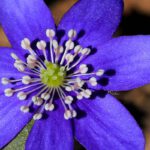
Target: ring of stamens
x=51, y=76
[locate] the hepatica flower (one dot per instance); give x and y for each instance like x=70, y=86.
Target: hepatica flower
x=56, y=76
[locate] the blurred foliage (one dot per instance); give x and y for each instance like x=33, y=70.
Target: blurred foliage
x=19, y=142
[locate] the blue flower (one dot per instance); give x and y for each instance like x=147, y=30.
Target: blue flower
x=50, y=69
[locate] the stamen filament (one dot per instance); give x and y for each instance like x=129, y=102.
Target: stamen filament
x=35, y=89
x=58, y=91
x=26, y=87
x=75, y=64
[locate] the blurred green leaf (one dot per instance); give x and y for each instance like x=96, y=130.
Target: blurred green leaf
x=19, y=142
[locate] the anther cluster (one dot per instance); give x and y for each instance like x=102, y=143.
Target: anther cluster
x=57, y=73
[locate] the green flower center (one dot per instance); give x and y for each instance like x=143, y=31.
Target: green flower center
x=53, y=75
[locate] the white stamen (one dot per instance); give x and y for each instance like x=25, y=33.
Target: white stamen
x=58, y=51
x=77, y=62
x=30, y=73
x=83, y=68
x=59, y=91
x=69, y=44
x=31, y=65
x=68, y=99
x=77, y=49
x=26, y=79
x=31, y=59
x=45, y=96
x=41, y=45
x=37, y=100
x=93, y=81
x=74, y=113
x=34, y=98
x=42, y=87
x=29, y=86
x=67, y=114
x=61, y=49
x=69, y=88
x=5, y=81
x=55, y=44
x=85, y=51
x=86, y=93
x=50, y=33
x=9, y=92
x=14, y=56
x=20, y=67
x=78, y=80
x=79, y=96
x=100, y=72
x=72, y=33
x=69, y=57
x=25, y=44
x=24, y=109
x=37, y=116
x=78, y=85
x=49, y=107
x=22, y=95
x=18, y=61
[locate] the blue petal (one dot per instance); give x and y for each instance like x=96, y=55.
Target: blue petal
x=51, y=133
x=107, y=125
x=95, y=20
x=7, y=68
x=12, y=120
x=24, y=18
x=126, y=61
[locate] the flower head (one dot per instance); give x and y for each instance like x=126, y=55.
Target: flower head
x=59, y=73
